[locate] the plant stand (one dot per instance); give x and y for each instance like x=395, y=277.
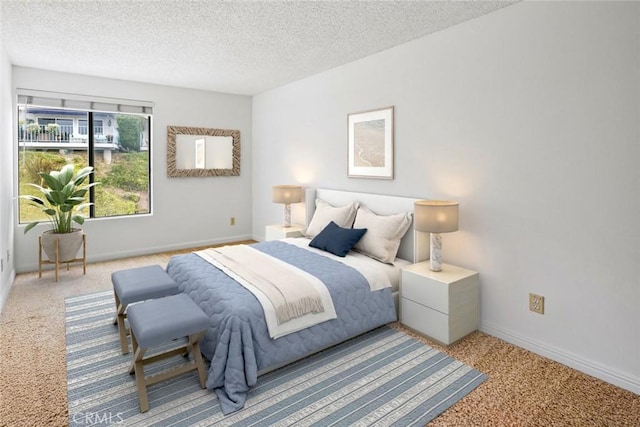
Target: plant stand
x=57, y=262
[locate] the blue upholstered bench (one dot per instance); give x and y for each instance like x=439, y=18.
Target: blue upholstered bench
x=158, y=322
x=135, y=285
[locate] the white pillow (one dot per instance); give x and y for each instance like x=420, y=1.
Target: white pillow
x=382, y=239
x=325, y=213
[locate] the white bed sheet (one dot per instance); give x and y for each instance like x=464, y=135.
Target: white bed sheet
x=379, y=275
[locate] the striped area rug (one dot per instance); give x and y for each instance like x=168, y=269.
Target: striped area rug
x=381, y=378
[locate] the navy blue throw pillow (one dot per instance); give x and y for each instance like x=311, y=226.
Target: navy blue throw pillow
x=336, y=239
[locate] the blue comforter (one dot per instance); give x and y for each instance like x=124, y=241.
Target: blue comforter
x=238, y=343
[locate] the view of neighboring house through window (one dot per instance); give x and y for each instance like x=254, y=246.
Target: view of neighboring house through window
x=116, y=144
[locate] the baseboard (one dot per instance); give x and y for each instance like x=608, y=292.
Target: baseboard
x=147, y=251
x=589, y=367
x=5, y=291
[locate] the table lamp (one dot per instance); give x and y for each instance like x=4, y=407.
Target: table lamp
x=287, y=194
x=435, y=217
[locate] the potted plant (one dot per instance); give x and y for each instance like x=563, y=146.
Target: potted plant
x=64, y=197
x=53, y=129
x=33, y=130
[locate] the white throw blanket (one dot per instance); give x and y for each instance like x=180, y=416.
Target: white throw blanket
x=291, y=298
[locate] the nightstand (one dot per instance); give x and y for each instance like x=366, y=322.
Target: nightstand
x=275, y=232
x=443, y=305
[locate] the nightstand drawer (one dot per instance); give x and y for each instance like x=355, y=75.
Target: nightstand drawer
x=425, y=320
x=429, y=293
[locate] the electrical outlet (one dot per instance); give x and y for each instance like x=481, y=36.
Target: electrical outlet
x=232, y=221
x=536, y=303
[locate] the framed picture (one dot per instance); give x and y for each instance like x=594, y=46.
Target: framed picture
x=370, y=144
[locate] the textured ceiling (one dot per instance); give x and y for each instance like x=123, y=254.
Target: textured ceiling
x=241, y=47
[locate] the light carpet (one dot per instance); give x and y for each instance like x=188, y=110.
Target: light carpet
x=384, y=377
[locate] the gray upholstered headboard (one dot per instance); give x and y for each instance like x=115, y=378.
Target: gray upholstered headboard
x=414, y=246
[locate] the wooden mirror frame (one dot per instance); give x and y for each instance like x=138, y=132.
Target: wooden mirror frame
x=172, y=169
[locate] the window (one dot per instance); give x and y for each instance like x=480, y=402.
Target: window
x=117, y=144
x=83, y=128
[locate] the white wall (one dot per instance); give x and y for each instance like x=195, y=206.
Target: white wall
x=187, y=212
x=529, y=118
x=6, y=174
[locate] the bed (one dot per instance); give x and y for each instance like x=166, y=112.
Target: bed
x=238, y=343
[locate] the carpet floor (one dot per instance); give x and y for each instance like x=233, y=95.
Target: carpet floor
x=522, y=389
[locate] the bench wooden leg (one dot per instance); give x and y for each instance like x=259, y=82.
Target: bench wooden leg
x=137, y=366
x=143, y=399
x=122, y=329
x=194, y=343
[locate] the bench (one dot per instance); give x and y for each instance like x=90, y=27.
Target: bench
x=161, y=321
x=135, y=285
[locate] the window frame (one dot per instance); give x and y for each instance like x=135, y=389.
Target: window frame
x=90, y=153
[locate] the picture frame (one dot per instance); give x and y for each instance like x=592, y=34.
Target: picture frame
x=370, y=144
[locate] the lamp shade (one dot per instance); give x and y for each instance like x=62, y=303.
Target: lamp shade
x=435, y=216
x=287, y=194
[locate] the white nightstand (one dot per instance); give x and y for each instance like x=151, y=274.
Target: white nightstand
x=275, y=232
x=444, y=305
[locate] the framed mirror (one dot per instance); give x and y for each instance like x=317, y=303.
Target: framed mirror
x=202, y=151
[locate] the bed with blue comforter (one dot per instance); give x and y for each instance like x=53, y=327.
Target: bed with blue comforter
x=238, y=343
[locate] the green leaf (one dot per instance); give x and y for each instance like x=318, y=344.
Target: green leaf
x=30, y=226
x=33, y=199
x=93, y=184
x=66, y=173
x=68, y=189
x=83, y=207
x=39, y=187
x=74, y=201
x=57, y=197
x=50, y=199
x=83, y=174
x=51, y=180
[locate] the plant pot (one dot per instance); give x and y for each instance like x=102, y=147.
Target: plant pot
x=68, y=245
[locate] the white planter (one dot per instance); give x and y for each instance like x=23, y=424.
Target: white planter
x=68, y=245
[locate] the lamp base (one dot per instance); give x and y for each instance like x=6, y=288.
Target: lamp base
x=435, y=257
x=286, y=221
